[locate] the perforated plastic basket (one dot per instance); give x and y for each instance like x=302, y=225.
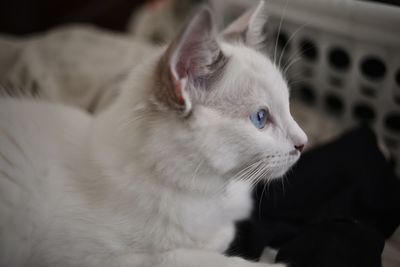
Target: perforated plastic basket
x=347, y=57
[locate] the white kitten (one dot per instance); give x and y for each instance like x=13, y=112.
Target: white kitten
x=77, y=65
x=160, y=177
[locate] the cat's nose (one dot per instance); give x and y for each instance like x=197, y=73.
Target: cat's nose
x=300, y=148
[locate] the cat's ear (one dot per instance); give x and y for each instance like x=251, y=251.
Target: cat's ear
x=193, y=58
x=249, y=27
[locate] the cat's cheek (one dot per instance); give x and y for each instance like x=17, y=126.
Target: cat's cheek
x=225, y=161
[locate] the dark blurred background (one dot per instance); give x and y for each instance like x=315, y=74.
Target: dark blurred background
x=29, y=16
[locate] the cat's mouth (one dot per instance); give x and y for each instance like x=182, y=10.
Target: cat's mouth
x=295, y=152
x=266, y=167
x=280, y=164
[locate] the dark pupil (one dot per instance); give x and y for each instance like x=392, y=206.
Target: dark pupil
x=260, y=115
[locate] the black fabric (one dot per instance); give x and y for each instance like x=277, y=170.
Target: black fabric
x=335, y=208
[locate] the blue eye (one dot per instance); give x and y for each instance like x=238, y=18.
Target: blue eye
x=259, y=118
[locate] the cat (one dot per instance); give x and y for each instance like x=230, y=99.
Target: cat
x=158, y=21
x=159, y=177
x=78, y=65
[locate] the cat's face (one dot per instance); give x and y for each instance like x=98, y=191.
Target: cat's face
x=233, y=100
x=245, y=117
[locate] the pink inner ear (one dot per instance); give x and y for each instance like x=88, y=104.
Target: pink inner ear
x=191, y=51
x=191, y=55
x=178, y=92
x=184, y=61
x=181, y=70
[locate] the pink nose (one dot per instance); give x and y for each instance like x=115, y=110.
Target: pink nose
x=299, y=148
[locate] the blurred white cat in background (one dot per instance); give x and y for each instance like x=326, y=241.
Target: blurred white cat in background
x=159, y=21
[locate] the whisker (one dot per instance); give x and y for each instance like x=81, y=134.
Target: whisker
x=295, y=60
x=248, y=176
x=244, y=170
x=261, y=197
x=296, y=77
x=295, y=57
x=266, y=186
x=279, y=30
x=241, y=175
x=290, y=39
x=256, y=175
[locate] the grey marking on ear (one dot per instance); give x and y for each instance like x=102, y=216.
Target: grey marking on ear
x=192, y=62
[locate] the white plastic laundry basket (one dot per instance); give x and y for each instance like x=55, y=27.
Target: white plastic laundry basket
x=348, y=56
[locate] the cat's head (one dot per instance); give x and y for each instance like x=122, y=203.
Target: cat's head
x=230, y=100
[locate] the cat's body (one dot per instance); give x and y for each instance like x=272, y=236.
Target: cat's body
x=58, y=205
x=62, y=205
x=160, y=177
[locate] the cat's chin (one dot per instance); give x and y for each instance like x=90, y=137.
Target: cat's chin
x=278, y=175
x=279, y=171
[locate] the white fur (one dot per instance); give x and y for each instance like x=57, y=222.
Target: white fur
x=139, y=186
